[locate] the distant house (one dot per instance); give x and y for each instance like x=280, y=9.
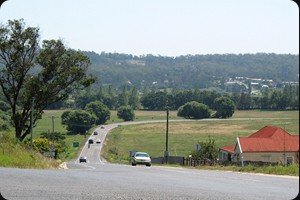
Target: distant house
x=226, y=153
x=270, y=144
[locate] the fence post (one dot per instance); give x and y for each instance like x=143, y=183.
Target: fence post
x=190, y=160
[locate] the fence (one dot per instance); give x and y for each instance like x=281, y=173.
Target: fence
x=197, y=162
x=204, y=162
x=171, y=160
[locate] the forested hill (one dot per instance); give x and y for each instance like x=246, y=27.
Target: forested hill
x=191, y=71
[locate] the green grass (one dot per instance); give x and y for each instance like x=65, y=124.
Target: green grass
x=291, y=170
x=14, y=154
x=45, y=124
x=151, y=137
x=141, y=115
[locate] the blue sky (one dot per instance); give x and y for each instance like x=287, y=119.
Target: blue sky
x=164, y=27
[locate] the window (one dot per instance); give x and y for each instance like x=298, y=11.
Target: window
x=289, y=160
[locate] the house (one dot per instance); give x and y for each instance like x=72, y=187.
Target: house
x=226, y=153
x=270, y=144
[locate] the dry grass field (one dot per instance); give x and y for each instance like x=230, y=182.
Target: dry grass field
x=184, y=135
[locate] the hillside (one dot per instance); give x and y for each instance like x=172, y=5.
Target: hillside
x=14, y=154
x=191, y=71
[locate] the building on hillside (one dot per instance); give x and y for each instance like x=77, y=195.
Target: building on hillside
x=269, y=145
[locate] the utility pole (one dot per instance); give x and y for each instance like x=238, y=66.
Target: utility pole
x=31, y=122
x=284, y=160
x=167, y=137
x=52, y=129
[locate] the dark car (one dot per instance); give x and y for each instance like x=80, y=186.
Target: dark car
x=82, y=159
x=91, y=141
x=95, y=133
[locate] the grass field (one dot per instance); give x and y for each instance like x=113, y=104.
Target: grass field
x=145, y=115
x=184, y=135
x=152, y=137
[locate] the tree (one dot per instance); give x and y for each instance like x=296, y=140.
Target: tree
x=126, y=113
x=78, y=121
x=111, y=100
x=277, y=100
x=100, y=110
x=123, y=97
x=265, y=100
x=33, y=75
x=224, y=106
x=194, y=110
x=82, y=98
x=208, y=150
x=154, y=101
x=134, y=99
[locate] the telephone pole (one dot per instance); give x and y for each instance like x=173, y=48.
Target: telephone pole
x=167, y=137
x=52, y=129
x=31, y=122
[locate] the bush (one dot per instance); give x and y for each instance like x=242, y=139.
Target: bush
x=78, y=121
x=208, y=150
x=100, y=110
x=194, y=110
x=40, y=144
x=4, y=121
x=224, y=107
x=126, y=113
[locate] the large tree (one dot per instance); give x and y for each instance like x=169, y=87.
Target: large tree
x=224, y=107
x=126, y=113
x=100, y=110
x=194, y=110
x=36, y=75
x=78, y=121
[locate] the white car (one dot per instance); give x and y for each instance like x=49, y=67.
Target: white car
x=141, y=158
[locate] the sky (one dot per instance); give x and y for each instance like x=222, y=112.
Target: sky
x=163, y=27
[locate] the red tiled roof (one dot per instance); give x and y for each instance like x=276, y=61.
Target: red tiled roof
x=229, y=148
x=269, y=138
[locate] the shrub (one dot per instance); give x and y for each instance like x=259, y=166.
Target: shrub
x=194, y=110
x=224, y=107
x=126, y=113
x=78, y=121
x=100, y=110
x=208, y=150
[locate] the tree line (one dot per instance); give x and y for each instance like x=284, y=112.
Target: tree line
x=278, y=99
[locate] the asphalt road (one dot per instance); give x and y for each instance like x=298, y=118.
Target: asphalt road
x=97, y=179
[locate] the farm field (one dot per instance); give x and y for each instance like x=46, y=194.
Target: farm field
x=184, y=135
